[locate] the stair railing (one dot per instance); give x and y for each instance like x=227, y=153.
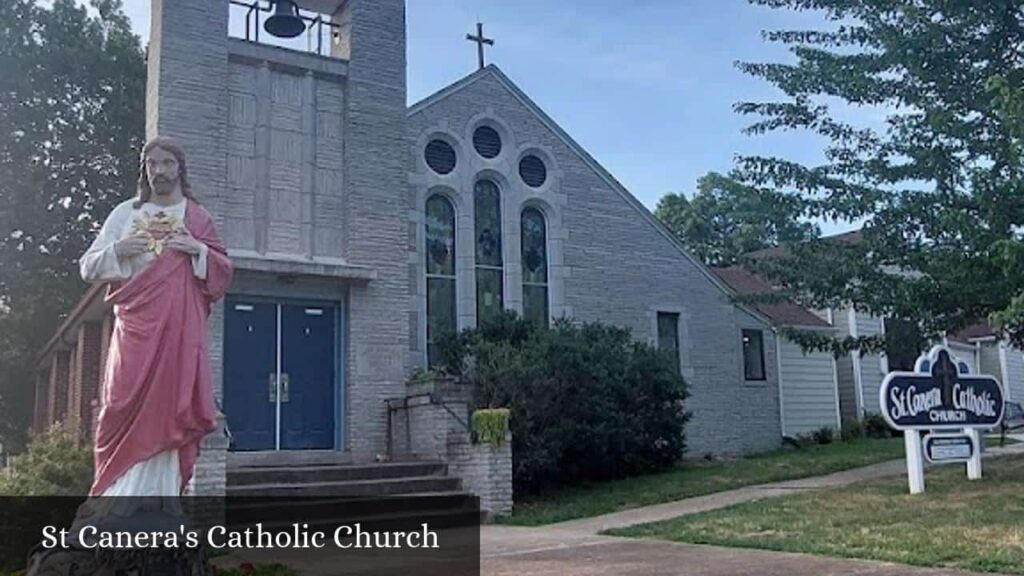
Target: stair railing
x=395, y=404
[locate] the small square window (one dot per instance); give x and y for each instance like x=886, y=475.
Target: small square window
x=753, y=355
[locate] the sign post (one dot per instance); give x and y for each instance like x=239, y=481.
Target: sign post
x=937, y=396
x=915, y=465
x=974, y=464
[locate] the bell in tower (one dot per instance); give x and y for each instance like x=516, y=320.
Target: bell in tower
x=286, y=21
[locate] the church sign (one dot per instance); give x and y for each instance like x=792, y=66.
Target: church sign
x=938, y=396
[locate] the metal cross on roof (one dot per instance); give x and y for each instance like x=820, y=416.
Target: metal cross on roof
x=480, y=40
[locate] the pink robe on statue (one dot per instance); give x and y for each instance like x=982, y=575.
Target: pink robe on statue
x=158, y=391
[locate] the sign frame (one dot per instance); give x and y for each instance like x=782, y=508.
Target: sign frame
x=922, y=369
x=940, y=357
x=929, y=438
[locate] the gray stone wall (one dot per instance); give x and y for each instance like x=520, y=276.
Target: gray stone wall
x=300, y=159
x=284, y=159
x=422, y=429
x=485, y=471
x=608, y=260
x=373, y=234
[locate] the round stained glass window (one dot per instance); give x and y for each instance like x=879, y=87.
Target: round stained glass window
x=533, y=171
x=440, y=156
x=487, y=142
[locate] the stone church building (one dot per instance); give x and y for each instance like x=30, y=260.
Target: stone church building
x=362, y=228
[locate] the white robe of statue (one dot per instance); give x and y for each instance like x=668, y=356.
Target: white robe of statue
x=160, y=475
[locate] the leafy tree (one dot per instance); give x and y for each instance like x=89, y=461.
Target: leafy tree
x=72, y=118
x=53, y=465
x=726, y=219
x=938, y=184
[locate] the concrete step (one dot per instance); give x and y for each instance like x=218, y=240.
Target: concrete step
x=435, y=519
x=253, y=475
x=371, y=487
x=287, y=510
x=274, y=459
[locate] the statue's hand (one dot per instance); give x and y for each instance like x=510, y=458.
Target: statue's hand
x=183, y=241
x=131, y=246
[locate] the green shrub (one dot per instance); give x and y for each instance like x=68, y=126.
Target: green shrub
x=852, y=430
x=875, y=426
x=53, y=465
x=490, y=425
x=588, y=403
x=823, y=435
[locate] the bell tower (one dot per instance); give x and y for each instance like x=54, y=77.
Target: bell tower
x=301, y=157
x=186, y=84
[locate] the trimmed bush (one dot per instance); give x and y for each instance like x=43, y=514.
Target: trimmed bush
x=53, y=465
x=875, y=426
x=588, y=403
x=823, y=435
x=489, y=426
x=852, y=430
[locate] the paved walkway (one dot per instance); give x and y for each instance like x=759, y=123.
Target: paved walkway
x=717, y=500
x=575, y=548
x=699, y=504
x=512, y=551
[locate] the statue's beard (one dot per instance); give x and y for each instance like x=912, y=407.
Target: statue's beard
x=163, y=186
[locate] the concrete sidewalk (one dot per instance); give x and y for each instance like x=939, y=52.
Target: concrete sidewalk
x=717, y=500
x=512, y=551
x=575, y=548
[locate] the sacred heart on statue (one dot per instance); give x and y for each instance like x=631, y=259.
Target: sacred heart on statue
x=157, y=229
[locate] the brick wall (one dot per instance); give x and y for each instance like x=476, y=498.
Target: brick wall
x=42, y=395
x=425, y=429
x=373, y=40
x=61, y=369
x=90, y=372
x=485, y=471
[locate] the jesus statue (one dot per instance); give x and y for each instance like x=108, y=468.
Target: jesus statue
x=165, y=266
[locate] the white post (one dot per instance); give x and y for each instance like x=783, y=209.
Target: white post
x=974, y=464
x=915, y=461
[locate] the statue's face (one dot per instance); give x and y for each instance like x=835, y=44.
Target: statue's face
x=163, y=171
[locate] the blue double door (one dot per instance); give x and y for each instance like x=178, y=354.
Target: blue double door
x=280, y=374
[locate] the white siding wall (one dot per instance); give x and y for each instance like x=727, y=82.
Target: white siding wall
x=808, y=389
x=871, y=365
x=844, y=368
x=1014, y=384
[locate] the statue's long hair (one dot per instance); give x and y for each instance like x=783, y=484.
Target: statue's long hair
x=168, y=144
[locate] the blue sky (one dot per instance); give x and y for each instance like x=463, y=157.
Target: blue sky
x=646, y=86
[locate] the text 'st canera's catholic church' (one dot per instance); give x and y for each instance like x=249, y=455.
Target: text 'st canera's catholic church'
x=360, y=228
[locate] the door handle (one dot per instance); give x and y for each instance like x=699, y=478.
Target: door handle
x=285, y=381
x=272, y=388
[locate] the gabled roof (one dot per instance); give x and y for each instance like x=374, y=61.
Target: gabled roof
x=492, y=71
x=784, y=313
x=977, y=331
x=852, y=237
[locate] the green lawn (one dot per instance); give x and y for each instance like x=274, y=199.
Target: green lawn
x=699, y=477
x=954, y=524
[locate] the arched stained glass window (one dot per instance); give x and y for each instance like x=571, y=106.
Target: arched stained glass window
x=440, y=255
x=489, y=261
x=535, y=267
